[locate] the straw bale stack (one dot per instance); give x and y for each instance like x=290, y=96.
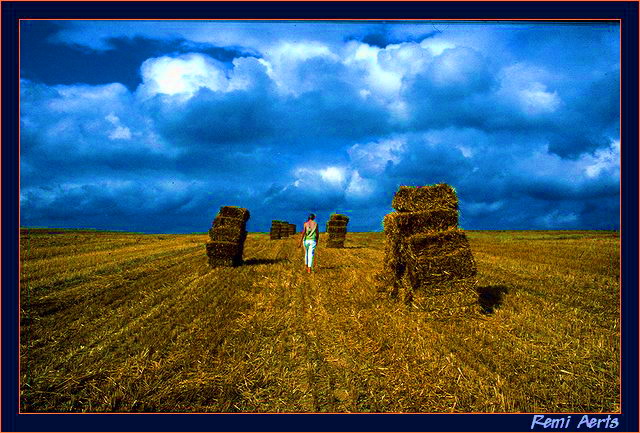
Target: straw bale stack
x=428, y=259
x=227, y=236
x=274, y=233
x=337, y=230
x=292, y=229
x=284, y=229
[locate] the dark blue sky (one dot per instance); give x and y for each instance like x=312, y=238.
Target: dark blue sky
x=152, y=126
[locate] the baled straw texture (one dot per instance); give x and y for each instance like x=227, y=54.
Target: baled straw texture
x=274, y=233
x=404, y=224
x=337, y=230
x=432, y=197
x=234, y=212
x=428, y=260
x=339, y=217
x=227, y=234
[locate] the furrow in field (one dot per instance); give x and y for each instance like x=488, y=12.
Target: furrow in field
x=51, y=273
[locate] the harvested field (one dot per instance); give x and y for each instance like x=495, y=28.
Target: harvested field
x=140, y=323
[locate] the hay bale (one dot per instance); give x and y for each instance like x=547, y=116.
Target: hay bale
x=337, y=230
x=431, y=197
x=221, y=221
x=228, y=234
x=234, y=212
x=292, y=229
x=338, y=217
x=283, y=228
x=223, y=253
x=428, y=261
x=405, y=224
x=274, y=233
x=336, y=225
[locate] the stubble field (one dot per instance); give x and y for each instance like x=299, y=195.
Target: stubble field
x=122, y=322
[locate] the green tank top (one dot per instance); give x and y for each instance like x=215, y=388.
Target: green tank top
x=311, y=234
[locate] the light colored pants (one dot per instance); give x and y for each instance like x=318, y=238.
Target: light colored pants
x=309, y=250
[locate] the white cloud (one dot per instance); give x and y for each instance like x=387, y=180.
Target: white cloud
x=437, y=46
x=536, y=99
x=603, y=161
x=83, y=97
x=373, y=157
x=333, y=175
x=119, y=132
x=524, y=86
x=359, y=187
x=284, y=60
x=183, y=75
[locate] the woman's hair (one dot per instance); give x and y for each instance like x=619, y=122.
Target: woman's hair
x=312, y=216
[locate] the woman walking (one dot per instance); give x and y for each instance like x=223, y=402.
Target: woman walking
x=309, y=240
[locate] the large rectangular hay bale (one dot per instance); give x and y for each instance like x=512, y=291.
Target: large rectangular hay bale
x=339, y=217
x=337, y=230
x=337, y=236
x=222, y=221
x=405, y=224
x=234, y=212
x=228, y=234
x=336, y=224
x=222, y=249
x=425, y=198
x=435, y=243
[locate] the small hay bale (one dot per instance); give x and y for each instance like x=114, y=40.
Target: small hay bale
x=337, y=230
x=431, y=197
x=283, y=228
x=274, y=233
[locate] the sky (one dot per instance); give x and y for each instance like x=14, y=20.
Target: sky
x=151, y=126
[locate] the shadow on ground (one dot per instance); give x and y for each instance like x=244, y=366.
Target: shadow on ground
x=491, y=297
